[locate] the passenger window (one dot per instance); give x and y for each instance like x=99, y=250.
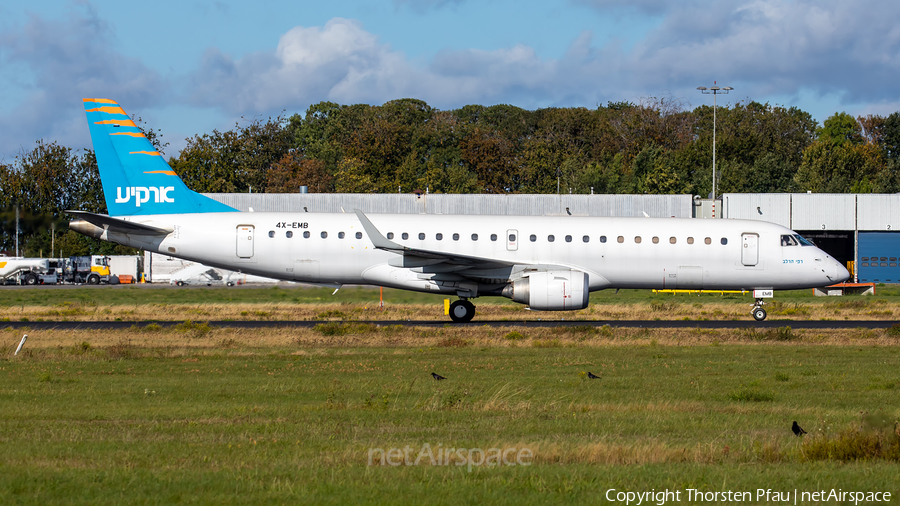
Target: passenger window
x=421, y=236
x=532, y=238
x=672, y=240
x=708, y=240
x=690, y=240
x=271, y=233
x=884, y=259
x=603, y=239
x=551, y=238
x=390, y=235
x=655, y=240
x=359, y=235
x=585, y=239
x=324, y=235
x=455, y=237
x=512, y=237
x=620, y=239
x=289, y=234
x=439, y=236
x=474, y=237
x=724, y=241
x=341, y=235
x=306, y=235
x=568, y=238
x=493, y=237
x=404, y=236
x=865, y=259
x=637, y=239
x=865, y=264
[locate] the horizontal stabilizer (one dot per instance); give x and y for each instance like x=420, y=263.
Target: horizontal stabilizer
x=118, y=225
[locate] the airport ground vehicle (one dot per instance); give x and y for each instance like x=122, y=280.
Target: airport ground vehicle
x=89, y=269
x=23, y=271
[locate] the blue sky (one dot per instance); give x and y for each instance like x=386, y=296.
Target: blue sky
x=188, y=67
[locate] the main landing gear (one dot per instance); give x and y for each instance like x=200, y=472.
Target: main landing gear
x=462, y=311
x=759, y=314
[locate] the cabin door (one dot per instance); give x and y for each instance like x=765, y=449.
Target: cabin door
x=749, y=249
x=245, y=241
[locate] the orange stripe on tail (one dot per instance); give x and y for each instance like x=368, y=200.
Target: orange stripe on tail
x=110, y=110
x=120, y=122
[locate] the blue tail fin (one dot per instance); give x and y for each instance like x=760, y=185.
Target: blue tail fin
x=136, y=178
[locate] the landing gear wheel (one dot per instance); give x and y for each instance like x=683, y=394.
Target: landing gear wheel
x=93, y=279
x=759, y=314
x=180, y=283
x=462, y=311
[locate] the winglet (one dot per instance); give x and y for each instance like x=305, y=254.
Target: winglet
x=380, y=241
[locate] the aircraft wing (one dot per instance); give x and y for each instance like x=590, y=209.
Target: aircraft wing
x=118, y=225
x=422, y=257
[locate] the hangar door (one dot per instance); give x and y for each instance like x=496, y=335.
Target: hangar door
x=878, y=257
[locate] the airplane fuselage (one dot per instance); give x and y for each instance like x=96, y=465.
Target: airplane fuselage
x=658, y=253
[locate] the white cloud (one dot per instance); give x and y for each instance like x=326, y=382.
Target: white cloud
x=67, y=60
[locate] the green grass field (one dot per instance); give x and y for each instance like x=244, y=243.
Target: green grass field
x=215, y=420
x=286, y=302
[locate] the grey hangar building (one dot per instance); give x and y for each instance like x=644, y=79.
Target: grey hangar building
x=862, y=231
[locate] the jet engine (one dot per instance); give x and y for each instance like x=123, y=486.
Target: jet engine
x=551, y=290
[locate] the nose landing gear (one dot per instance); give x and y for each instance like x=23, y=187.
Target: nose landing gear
x=759, y=314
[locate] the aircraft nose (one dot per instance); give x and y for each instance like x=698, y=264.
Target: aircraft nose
x=836, y=272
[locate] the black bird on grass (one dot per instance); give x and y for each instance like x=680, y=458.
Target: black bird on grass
x=798, y=431
x=593, y=376
x=437, y=376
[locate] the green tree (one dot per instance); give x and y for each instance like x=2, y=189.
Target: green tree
x=842, y=167
x=840, y=129
x=237, y=160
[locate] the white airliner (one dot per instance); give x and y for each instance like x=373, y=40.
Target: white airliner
x=548, y=263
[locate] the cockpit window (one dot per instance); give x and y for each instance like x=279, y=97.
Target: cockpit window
x=788, y=240
x=803, y=241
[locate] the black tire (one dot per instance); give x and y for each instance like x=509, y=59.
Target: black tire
x=462, y=311
x=230, y=283
x=29, y=279
x=180, y=283
x=93, y=279
x=759, y=314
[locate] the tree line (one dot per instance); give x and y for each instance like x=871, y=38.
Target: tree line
x=655, y=146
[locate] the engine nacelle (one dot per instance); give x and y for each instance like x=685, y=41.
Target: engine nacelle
x=555, y=290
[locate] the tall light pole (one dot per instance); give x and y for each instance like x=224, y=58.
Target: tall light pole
x=714, y=90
